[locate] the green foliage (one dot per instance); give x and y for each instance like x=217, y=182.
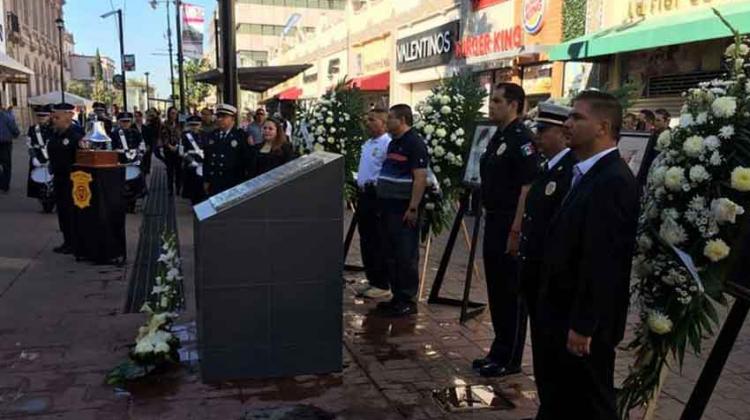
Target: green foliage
x=79, y=88
x=195, y=92
x=574, y=19
x=625, y=94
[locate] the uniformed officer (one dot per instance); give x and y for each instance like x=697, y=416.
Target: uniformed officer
x=62, y=148
x=100, y=110
x=39, y=135
x=544, y=198
x=228, y=157
x=507, y=168
x=127, y=138
x=191, y=150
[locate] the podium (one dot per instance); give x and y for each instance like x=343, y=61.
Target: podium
x=98, y=225
x=268, y=273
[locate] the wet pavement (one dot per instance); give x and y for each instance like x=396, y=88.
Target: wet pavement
x=63, y=327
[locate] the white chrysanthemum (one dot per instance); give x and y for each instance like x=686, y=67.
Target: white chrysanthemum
x=429, y=129
x=741, y=179
x=445, y=100
x=329, y=120
x=320, y=130
x=644, y=242
x=331, y=140
x=693, y=146
x=659, y=323
x=726, y=132
x=436, y=169
x=332, y=130
x=734, y=48
x=716, y=250
x=664, y=140
x=459, y=142
x=711, y=142
x=699, y=174
x=702, y=118
x=725, y=210
x=460, y=132
x=657, y=175
x=445, y=110
x=439, y=151
x=715, y=159
x=420, y=124
x=440, y=132
x=674, y=178
x=686, y=120
x=447, y=182
x=161, y=347
x=724, y=107
x=672, y=232
x=427, y=109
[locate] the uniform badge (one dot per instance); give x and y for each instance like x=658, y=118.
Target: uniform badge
x=66, y=142
x=551, y=187
x=234, y=143
x=81, y=190
x=501, y=149
x=527, y=149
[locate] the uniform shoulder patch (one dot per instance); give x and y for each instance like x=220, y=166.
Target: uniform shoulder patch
x=528, y=149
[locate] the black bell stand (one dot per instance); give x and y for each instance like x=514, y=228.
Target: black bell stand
x=469, y=309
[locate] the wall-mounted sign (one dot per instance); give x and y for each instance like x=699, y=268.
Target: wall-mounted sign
x=117, y=81
x=533, y=15
x=481, y=4
x=489, y=43
x=128, y=62
x=427, y=49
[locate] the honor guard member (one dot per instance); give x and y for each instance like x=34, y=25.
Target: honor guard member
x=127, y=138
x=507, y=169
x=62, y=147
x=191, y=151
x=39, y=135
x=227, y=155
x=100, y=110
x=544, y=198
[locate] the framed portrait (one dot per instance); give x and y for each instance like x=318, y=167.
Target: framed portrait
x=483, y=132
x=633, y=147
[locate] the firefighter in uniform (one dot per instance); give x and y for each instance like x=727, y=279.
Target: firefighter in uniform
x=39, y=135
x=100, y=111
x=228, y=157
x=62, y=147
x=191, y=150
x=129, y=141
x=544, y=198
x=507, y=168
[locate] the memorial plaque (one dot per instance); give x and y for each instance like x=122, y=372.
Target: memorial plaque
x=269, y=273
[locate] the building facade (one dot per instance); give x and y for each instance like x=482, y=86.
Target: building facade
x=83, y=69
x=33, y=40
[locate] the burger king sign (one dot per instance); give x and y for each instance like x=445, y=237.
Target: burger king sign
x=533, y=15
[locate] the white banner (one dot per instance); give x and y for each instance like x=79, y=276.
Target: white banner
x=192, y=30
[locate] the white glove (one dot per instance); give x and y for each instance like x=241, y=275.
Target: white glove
x=35, y=162
x=194, y=164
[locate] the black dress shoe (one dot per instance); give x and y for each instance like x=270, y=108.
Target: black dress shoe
x=480, y=363
x=401, y=309
x=62, y=249
x=495, y=370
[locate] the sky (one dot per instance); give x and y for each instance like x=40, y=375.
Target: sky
x=144, y=32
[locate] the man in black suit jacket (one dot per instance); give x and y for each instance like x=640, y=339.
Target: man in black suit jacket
x=584, y=293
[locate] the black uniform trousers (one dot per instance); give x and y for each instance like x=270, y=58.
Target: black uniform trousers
x=6, y=158
x=575, y=387
x=529, y=271
x=174, y=171
x=370, y=241
x=401, y=251
x=507, y=307
x=64, y=205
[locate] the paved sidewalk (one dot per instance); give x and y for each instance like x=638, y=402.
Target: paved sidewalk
x=62, y=328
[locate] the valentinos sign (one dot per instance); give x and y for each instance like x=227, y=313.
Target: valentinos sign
x=427, y=49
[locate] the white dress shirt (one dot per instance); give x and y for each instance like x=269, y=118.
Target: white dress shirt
x=371, y=161
x=580, y=168
x=558, y=157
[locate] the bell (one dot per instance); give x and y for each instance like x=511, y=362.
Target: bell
x=97, y=133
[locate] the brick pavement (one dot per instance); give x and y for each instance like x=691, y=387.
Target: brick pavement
x=62, y=327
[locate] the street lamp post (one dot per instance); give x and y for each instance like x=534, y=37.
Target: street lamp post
x=180, y=58
x=122, y=57
x=154, y=4
x=147, y=103
x=60, y=26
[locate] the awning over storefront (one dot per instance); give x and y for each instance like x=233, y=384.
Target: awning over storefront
x=291, y=94
x=55, y=97
x=10, y=69
x=375, y=82
x=673, y=29
x=256, y=79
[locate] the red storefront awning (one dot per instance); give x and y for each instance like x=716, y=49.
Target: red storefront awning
x=291, y=94
x=380, y=81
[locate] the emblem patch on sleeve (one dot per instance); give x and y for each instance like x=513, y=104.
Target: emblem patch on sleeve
x=527, y=149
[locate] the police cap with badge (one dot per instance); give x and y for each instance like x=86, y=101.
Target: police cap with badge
x=193, y=121
x=42, y=110
x=63, y=107
x=550, y=115
x=98, y=106
x=226, y=110
x=125, y=116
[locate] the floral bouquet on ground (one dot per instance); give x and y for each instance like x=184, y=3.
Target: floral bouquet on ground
x=334, y=124
x=696, y=192
x=445, y=118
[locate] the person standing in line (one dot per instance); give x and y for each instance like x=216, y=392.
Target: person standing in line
x=191, y=151
x=169, y=142
x=368, y=216
x=8, y=132
x=207, y=122
x=274, y=150
x=542, y=201
x=39, y=135
x=508, y=167
x=228, y=157
x=255, y=128
x=62, y=148
x=401, y=186
x=585, y=274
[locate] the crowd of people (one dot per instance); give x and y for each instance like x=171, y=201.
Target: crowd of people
x=561, y=209
x=204, y=154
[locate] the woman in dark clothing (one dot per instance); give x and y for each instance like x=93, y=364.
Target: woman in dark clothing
x=169, y=141
x=150, y=132
x=275, y=150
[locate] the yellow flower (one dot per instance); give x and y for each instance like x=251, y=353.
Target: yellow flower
x=659, y=323
x=716, y=250
x=741, y=179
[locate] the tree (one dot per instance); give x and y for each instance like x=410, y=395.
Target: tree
x=76, y=87
x=195, y=92
x=100, y=92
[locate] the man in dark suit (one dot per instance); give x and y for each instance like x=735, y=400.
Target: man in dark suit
x=584, y=293
x=542, y=201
